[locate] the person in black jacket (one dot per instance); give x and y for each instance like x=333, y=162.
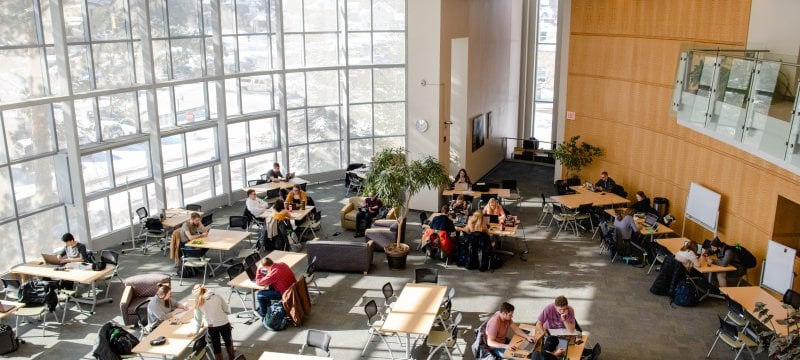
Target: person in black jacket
x=550, y=350
x=605, y=183
x=642, y=204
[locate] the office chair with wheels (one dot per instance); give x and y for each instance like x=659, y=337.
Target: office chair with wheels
x=317, y=339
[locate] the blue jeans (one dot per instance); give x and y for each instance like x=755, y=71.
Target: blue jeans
x=264, y=297
x=366, y=217
x=498, y=352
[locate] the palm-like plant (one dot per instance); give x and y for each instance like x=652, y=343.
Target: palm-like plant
x=575, y=156
x=395, y=179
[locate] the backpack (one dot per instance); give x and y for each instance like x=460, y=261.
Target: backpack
x=746, y=258
x=479, y=346
x=38, y=293
x=8, y=340
x=188, y=272
x=276, y=319
x=153, y=224
x=121, y=341
x=685, y=294
x=97, y=265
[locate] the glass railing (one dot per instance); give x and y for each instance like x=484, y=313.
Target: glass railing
x=742, y=97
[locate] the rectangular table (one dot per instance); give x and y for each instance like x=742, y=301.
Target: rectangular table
x=269, y=186
x=501, y=193
x=222, y=240
x=269, y=355
x=176, y=332
x=14, y=307
x=176, y=217
x=291, y=259
x=414, y=311
x=574, y=351
x=674, y=245
x=601, y=199
x=494, y=229
x=73, y=273
x=360, y=172
x=748, y=296
x=296, y=214
x=660, y=231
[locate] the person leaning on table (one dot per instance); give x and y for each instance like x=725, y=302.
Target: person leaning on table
x=550, y=350
x=558, y=315
x=726, y=255
x=193, y=229
x=686, y=255
x=497, y=330
x=214, y=309
x=161, y=305
x=296, y=196
x=73, y=250
x=605, y=183
x=274, y=174
x=277, y=277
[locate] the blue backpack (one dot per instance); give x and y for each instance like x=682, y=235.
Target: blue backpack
x=685, y=294
x=276, y=319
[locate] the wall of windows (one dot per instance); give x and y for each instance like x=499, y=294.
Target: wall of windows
x=545, y=69
x=163, y=103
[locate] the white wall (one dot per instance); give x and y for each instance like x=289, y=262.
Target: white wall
x=774, y=26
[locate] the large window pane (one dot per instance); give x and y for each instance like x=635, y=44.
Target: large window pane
x=86, y=119
x=196, y=186
x=293, y=51
x=388, y=142
x=320, y=15
x=237, y=138
x=256, y=94
x=543, y=121
x=96, y=172
x=40, y=239
x=263, y=134
x=190, y=103
x=232, y=97
x=359, y=48
x=254, y=53
x=292, y=16
x=16, y=21
x=360, y=151
x=166, y=118
x=323, y=124
x=172, y=152
x=359, y=14
x=360, y=86
x=545, y=72
x=112, y=65
x=295, y=90
x=390, y=119
x=201, y=146
x=323, y=87
x=21, y=81
x=296, y=126
x=321, y=50
x=98, y=217
x=108, y=20
x=388, y=48
x=184, y=17
x=237, y=175
x=260, y=164
x=122, y=213
x=79, y=68
x=173, y=190
x=360, y=121
x=187, y=58
x=390, y=84
x=29, y=131
x=298, y=159
x=324, y=157
x=131, y=163
x=389, y=15
x=7, y=204
x=12, y=253
x=35, y=184
x=217, y=179
x=118, y=115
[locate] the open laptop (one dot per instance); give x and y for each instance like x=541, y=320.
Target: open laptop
x=289, y=176
x=491, y=219
x=589, y=186
x=51, y=259
x=461, y=187
x=650, y=219
x=251, y=272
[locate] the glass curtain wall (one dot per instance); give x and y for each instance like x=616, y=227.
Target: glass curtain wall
x=545, y=66
x=336, y=68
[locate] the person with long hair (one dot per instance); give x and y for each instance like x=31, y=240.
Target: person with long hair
x=493, y=208
x=476, y=223
x=686, y=255
x=161, y=305
x=642, y=204
x=461, y=177
x=214, y=310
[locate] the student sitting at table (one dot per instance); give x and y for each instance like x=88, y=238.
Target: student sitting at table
x=279, y=211
x=550, y=350
x=256, y=206
x=558, y=315
x=461, y=177
x=296, y=197
x=686, y=255
x=214, y=310
x=476, y=224
x=605, y=183
x=277, y=277
x=441, y=226
x=460, y=206
x=497, y=330
x=73, y=250
x=626, y=227
x=161, y=305
x=274, y=174
x=726, y=255
x=193, y=229
x=642, y=204
x=493, y=208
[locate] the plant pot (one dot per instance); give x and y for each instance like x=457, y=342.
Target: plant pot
x=396, y=255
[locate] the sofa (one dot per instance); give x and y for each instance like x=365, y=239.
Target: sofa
x=139, y=288
x=349, y=211
x=384, y=232
x=344, y=256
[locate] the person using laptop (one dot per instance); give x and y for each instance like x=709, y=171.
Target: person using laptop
x=255, y=205
x=277, y=277
x=461, y=178
x=642, y=204
x=605, y=183
x=497, y=330
x=370, y=209
x=626, y=227
x=493, y=208
x=275, y=175
x=476, y=223
x=73, y=250
x=161, y=305
x=550, y=350
x=297, y=196
x=558, y=315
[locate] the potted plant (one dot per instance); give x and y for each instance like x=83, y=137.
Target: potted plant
x=780, y=346
x=395, y=180
x=575, y=156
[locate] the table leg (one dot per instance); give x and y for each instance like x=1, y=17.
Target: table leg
x=94, y=300
x=408, y=346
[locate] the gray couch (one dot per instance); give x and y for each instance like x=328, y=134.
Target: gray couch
x=340, y=255
x=384, y=232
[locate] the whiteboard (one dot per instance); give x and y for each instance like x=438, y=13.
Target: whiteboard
x=702, y=207
x=777, y=273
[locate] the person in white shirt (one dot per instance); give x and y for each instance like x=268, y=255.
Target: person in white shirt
x=256, y=206
x=686, y=255
x=215, y=310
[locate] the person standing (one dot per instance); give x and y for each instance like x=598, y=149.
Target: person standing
x=605, y=183
x=370, y=210
x=497, y=330
x=277, y=277
x=214, y=310
x=73, y=250
x=558, y=315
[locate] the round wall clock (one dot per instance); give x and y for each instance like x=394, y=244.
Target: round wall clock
x=422, y=125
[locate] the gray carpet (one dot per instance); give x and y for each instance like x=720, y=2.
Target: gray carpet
x=612, y=301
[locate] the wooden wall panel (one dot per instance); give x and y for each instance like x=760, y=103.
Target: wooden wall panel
x=622, y=63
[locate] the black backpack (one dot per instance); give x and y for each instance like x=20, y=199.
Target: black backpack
x=685, y=294
x=121, y=341
x=8, y=340
x=38, y=293
x=745, y=257
x=276, y=319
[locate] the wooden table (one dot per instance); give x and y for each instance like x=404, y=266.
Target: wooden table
x=14, y=307
x=414, y=311
x=222, y=240
x=662, y=229
x=176, y=217
x=296, y=214
x=675, y=244
x=574, y=351
x=501, y=193
x=748, y=296
x=291, y=259
x=494, y=229
x=588, y=197
x=269, y=355
x=269, y=186
x=72, y=272
x=177, y=334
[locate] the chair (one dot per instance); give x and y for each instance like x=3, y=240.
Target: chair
x=137, y=289
x=592, y=354
x=349, y=211
x=194, y=258
x=239, y=222
x=194, y=207
x=515, y=196
x=112, y=258
x=234, y=271
x=156, y=235
x=445, y=314
x=660, y=255
x=731, y=336
x=310, y=278
x=354, y=185
x=736, y=314
x=251, y=259
x=317, y=339
x=11, y=289
x=142, y=320
x=312, y=222
x=371, y=309
x=385, y=232
x=547, y=209
x=485, y=199
x=426, y=275
x=251, y=183
x=791, y=297
x=564, y=219
x=388, y=295
x=584, y=212
x=207, y=219
x=447, y=338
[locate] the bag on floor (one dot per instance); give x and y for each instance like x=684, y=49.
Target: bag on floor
x=463, y=251
x=685, y=294
x=188, y=272
x=276, y=319
x=8, y=340
x=121, y=341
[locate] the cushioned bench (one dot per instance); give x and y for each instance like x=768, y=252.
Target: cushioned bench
x=342, y=256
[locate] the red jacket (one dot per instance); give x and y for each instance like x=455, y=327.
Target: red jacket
x=280, y=277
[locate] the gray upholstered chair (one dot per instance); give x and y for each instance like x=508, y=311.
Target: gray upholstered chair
x=384, y=232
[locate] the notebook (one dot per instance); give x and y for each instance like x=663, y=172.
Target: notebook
x=650, y=219
x=50, y=259
x=461, y=187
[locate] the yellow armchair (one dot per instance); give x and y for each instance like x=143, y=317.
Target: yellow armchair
x=350, y=209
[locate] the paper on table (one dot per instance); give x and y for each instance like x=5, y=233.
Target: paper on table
x=561, y=332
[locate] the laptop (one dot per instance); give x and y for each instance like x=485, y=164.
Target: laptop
x=480, y=187
x=289, y=176
x=650, y=220
x=589, y=186
x=461, y=187
x=491, y=219
x=51, y=259
x=251, y=272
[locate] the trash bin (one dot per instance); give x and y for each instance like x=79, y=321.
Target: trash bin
x=661, y=205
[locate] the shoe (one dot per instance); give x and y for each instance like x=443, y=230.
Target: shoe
x=358, y=235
